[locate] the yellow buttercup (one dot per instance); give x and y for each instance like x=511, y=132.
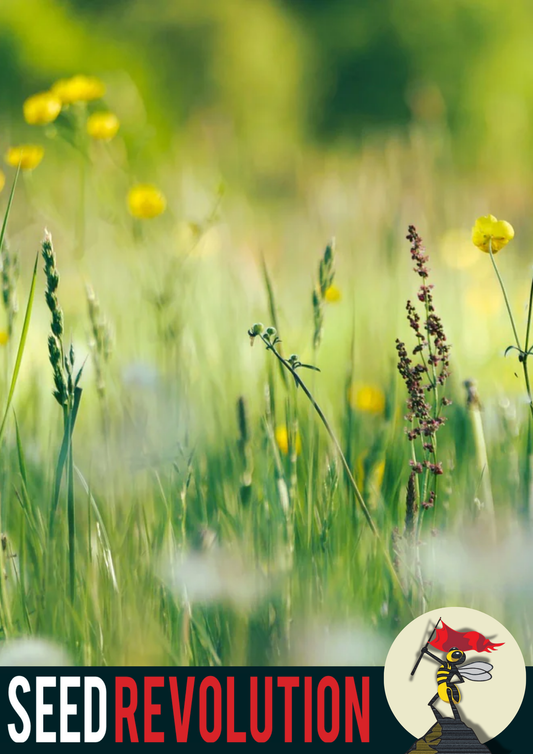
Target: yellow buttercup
x=333, y=294
x=102, y=126
x=41, y=109
x=78, y=89
x=488, y=232
x=27, y=156
x=146, y=201
x=282, y=440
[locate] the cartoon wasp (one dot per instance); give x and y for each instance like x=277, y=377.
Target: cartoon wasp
x=452, y=670
x=448, y=691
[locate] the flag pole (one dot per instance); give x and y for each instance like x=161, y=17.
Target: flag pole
x=413, y=671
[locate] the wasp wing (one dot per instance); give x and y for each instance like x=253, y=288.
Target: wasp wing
x=476, y=671
x=478, y=667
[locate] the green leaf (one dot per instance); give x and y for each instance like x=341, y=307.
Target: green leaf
x=20, y=451
x=63, y=455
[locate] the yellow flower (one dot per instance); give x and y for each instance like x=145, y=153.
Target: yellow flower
x=41, y=109
x=378, y=473
x=332, y=294
x=146, y=201
x=103, y=126
x=28, y=156
x=367, y=398
x=78, y=89
x=2, y=180
x=490, y=230
x=4, y=337
x=370, y=473
x=282, y=440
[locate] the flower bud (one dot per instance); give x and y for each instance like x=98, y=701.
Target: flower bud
x=257, y=329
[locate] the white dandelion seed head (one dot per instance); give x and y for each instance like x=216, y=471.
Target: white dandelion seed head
x=28, y=652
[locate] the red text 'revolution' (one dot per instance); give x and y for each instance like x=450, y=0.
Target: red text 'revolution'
x=291, y=705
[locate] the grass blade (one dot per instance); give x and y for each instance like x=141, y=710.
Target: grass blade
x=63, y=455
x=8, y=209
x=273, y=311
x=102, y=531
x=20, y=452
x=22, y=344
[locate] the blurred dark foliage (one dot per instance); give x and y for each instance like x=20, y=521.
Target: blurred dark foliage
x=280, y=72
x=363, y=80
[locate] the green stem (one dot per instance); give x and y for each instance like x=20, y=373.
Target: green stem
x=506, y=298
x=63, y=458
x=528, y=384
x=523, y=355
x=82, y=143
x=351, y=479
x=71, y=516
x=529, y=312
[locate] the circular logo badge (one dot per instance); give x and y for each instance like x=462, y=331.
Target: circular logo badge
x=454, y=671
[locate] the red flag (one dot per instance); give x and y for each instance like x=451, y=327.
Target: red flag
x=447, y=638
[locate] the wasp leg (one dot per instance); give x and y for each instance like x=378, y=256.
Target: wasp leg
x=452, y=705
x=435, y=711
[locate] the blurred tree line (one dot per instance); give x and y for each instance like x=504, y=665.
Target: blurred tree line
x=278, y=71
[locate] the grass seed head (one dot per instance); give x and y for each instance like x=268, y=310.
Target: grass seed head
x=9, y=274
x=61, y=366
x=424, y=371
x=326, y=275
x=411, y=506
x=101, y=339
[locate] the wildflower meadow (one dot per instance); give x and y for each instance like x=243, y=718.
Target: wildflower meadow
x=255, y=421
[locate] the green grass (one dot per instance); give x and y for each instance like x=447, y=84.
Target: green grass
x=196, y=539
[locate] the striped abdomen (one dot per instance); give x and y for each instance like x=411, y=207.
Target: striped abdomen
x=444, y=673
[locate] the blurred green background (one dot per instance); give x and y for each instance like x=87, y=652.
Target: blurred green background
x=351, y=118
x=277, y=75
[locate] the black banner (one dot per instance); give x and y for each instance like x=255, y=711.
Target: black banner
x=166, y=706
